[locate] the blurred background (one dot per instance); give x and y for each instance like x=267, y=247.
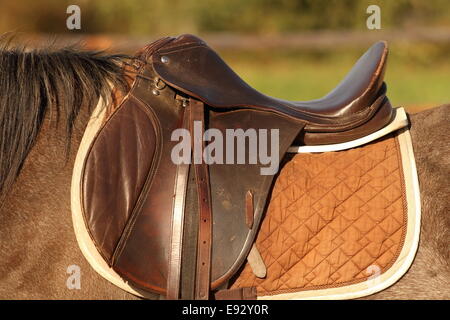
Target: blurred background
x=294, y=49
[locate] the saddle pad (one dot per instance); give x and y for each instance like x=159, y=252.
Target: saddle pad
x=337, y=219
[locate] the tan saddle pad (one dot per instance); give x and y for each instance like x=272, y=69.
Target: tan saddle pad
x=340, y=224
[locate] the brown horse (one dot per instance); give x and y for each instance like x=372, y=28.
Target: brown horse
x=42, y=89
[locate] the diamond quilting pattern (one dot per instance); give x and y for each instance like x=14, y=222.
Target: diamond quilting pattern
x=330, y=217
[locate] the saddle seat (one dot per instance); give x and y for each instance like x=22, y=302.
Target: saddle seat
x=356, y=107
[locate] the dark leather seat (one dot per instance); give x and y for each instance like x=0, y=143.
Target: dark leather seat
x=192, y=67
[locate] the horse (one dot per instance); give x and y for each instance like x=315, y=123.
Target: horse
x=47, y=98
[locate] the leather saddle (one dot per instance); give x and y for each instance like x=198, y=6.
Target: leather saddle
x=183, y=230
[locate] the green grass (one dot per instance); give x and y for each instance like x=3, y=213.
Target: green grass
x=415, y=78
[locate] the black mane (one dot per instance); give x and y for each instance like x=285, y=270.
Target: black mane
x=35, y=82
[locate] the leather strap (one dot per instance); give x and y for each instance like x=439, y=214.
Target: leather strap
x=249, y=209
x=174, y=272
x=203, y=273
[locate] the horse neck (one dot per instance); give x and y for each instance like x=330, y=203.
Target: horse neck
x=37, y=242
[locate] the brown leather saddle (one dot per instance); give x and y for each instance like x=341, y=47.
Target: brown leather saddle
x=183, y=230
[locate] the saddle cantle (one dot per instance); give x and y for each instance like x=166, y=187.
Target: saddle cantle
x=183, y=230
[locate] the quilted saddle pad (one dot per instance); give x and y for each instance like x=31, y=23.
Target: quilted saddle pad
x=340, y=224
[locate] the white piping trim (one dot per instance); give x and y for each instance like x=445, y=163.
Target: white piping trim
x=400, y=121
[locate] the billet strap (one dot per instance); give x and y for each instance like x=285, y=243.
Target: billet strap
x=174, y=273
x=203, y=272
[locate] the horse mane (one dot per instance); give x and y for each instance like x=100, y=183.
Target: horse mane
x=38, y=81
